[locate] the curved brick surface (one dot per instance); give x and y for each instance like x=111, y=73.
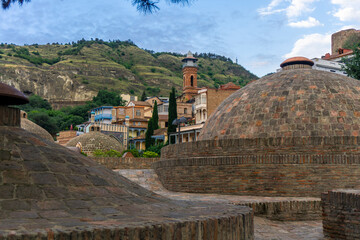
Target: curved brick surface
x=50, y=192
x=35, y=129
x=291, y=103
x=293, y=133
x=92, y=141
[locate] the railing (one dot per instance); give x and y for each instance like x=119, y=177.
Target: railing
x=103, y=116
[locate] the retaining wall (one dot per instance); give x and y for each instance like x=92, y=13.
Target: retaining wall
x=341, y=214
x=126, y=163
x=297, y=167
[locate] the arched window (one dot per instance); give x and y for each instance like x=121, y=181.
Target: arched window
x=192, y=80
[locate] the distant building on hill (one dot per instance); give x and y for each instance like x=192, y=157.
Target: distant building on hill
x=127, y=97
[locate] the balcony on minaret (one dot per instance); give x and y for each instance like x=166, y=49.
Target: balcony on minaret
x=189, y=61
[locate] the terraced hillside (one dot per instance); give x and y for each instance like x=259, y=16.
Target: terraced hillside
x=73, y=73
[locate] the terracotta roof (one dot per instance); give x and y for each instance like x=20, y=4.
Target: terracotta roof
x=160, y=131
x=141, y=103
x=127, y=155
x=296, y=60
x=346, y=52
x=229, y=86
x=163, y=117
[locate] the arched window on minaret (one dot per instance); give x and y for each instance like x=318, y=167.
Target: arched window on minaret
x=192, y=80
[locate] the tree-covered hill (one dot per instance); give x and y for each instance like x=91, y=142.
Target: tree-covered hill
x=73, y=73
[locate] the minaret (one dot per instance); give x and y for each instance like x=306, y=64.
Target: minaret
x=190, y=76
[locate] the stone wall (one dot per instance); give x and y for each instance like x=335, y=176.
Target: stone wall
x=126, y=163
x=338, y=39
x=341, y=214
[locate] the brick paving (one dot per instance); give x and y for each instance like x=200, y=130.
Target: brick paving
x=265, y=229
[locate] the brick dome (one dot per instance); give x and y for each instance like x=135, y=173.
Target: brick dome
x=96, y=140
x=35, y=129
x=290, y=103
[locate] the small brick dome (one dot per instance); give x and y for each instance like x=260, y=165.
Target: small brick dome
x=292, y=103
x=35, y=129
x=96, y=140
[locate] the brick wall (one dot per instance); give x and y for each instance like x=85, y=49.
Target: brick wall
x=215, y=97
x=126, y=163
x=341, y=214
x=65, y=136
x=264, y=146
x=298, y=167
x=9, y=116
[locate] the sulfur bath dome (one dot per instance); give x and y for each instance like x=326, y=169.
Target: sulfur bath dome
x=296, y=102
x=92, y=141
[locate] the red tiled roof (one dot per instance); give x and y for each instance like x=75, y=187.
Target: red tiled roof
x=229, y=86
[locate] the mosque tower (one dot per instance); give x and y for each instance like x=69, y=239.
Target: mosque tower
x=190, y=68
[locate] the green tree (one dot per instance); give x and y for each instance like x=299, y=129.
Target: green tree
x=155, y=117
x=143, y=96
x=145, y=6
x=36, y=102
x=105, y=97
x=352, y=65
x=42, y=119
x=172, y=115
x=149, y=141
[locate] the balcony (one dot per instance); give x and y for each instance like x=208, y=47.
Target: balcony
x=103, y=116
x=190, y=65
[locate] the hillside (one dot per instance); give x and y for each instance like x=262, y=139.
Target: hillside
x=73, y=73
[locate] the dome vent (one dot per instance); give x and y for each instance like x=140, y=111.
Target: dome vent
x=296, y=63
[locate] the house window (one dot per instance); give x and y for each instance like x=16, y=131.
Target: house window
x=185, y=110
x=192, y=80
x=138, y=113
x=139, y=123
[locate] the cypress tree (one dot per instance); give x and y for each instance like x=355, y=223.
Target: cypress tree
x=172, y=114
x=155, y=117
x=143, y=96
x=149, y=141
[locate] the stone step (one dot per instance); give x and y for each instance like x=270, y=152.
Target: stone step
x=274, y=208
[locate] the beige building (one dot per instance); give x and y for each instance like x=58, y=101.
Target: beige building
x=128, y=97
x=208, y=99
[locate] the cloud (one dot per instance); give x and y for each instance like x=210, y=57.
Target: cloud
x=269, y=10
x=310, y=46
x=299, y=7
x=310, y=22
x=295, y=9
x=348, y=10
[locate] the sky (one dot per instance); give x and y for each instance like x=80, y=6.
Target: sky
x=260, y=33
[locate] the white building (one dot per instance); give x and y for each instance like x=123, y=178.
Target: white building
x=328, y=66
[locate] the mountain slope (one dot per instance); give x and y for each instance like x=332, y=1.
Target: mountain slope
x=73, y=73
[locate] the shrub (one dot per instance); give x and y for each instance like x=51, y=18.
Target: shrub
x=109, y=153
x=149, y=154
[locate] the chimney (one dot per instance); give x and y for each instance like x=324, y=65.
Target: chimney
x=10, y=116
